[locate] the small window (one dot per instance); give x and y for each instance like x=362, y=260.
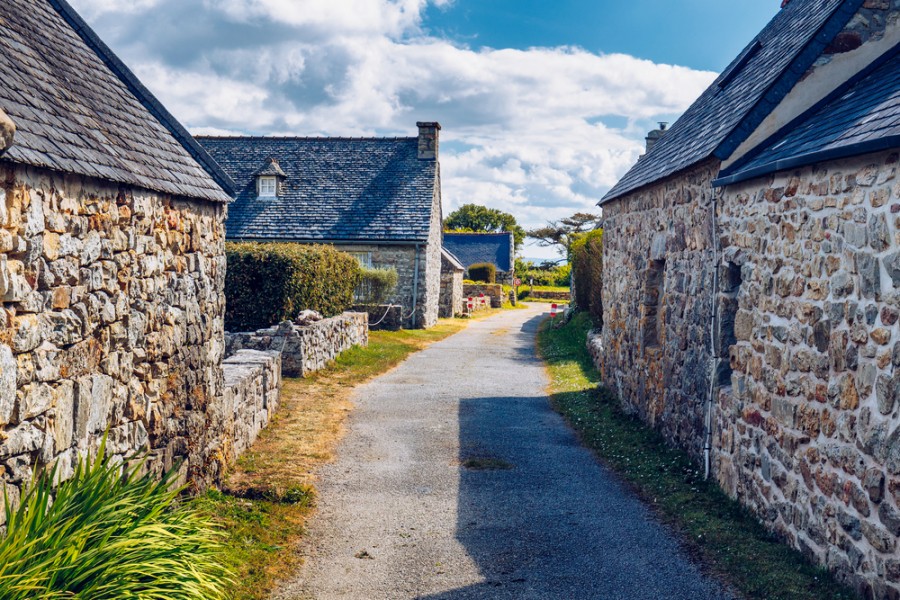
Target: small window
x=364, y=258
x=268, y=187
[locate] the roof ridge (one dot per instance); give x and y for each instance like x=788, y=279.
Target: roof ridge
x=143, y=95
x=797, y=35
x=302, y=137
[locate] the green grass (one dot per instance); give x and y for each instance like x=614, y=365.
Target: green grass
x=724, y=536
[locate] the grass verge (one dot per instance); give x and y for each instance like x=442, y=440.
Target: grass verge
x=722, y=534
x=270, y=493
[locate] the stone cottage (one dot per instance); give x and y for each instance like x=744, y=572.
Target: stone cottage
x=452, y=272
x=752, y=287
x=498, y=249
x=377, y=198
x=111, y=258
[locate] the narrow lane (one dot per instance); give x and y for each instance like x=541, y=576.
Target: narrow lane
x=403, y=515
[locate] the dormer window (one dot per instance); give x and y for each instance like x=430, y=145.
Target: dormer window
x=268, y=186
x=270, y=179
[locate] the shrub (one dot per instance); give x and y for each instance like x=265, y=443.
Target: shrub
x=269, y=283
x=376, y=286
x=104, y=534
x=587, y=273
x=483, y=272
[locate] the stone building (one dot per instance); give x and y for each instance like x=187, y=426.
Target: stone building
x=752, y=285
x=111, y=258
x=376, y=198
x=498, y=249
x=452, y=272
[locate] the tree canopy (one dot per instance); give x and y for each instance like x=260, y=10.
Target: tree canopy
x=564, y=232
x=481, y=219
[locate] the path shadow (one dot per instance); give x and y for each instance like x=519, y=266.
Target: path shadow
x=542, y=520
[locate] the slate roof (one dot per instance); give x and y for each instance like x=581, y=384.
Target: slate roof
x=78, y=109
x=862, y=116
x=472, y=248
x=452, y=260
x=336, y=189
x=745, y=93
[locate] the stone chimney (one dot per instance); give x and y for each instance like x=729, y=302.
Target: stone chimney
x=655, y=135
x=428, y=140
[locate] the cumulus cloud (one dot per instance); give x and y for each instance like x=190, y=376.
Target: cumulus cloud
x=541, y=132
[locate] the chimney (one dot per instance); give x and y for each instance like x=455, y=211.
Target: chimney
x=655, y=135
x=428, y=140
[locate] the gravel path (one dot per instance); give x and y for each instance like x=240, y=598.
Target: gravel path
x=400, y=517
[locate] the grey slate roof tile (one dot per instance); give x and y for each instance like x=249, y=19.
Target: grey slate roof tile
x=78, y=109
x=862, y=116
x=472, y=248
x=723, y=117
x=353, y=189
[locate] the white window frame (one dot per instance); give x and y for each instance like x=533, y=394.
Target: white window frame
x=267, y=186
x=364, y=258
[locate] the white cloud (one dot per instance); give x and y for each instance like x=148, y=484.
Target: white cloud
x=540, y=133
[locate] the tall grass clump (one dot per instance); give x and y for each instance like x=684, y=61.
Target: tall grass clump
x=106, y=534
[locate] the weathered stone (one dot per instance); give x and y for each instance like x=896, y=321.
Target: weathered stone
x=8, y=372
x=869, y=275
x=842, y=283
x=886, y=390
x=874, y=484
x=23, y=438
x=38, y=399
x=880, y=336
x=880, y=539
x=879, y=236
x=890, y=518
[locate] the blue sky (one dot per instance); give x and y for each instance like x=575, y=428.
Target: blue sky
x=544, y=105
x=703, y=34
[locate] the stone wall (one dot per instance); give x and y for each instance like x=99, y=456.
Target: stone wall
x=657, y=255
x=403, y=259
x=382, y=317
x=451, y=300
x=308, y=348
x=494, y=291
x=252, y=386
x=112, y=318
x=808, y=434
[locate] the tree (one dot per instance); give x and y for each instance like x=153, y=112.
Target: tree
x=481, y=219
x=564, y=232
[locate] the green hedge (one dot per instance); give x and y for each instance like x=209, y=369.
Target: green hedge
x=269, y=283
x=587, y=274
x=483, y=272
x=376, y=286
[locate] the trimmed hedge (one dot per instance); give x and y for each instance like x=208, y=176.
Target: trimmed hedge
x=376, y=286
x=269, y=283
x=587, y=274
x=483, y=272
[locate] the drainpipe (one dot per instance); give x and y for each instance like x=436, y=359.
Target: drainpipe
x=714, y=349
x=415, y=303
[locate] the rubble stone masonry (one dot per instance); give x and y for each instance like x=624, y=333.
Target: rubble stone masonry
x=657, y=306
x=808, y=433
x=112, y=320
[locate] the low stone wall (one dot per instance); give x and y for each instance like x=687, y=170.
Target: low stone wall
x=252, y=384
x=451, y=302
x=305, y=349
x=383, y=317
x=494, y=291
x=539, y=295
